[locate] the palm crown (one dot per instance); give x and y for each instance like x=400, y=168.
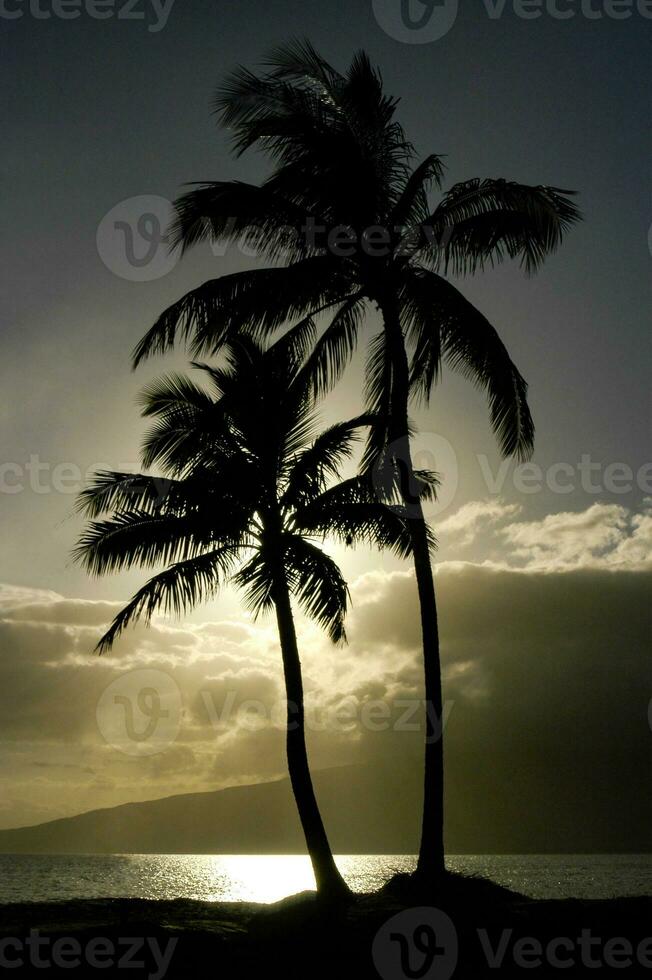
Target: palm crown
x=349, y=214
x=247, y=494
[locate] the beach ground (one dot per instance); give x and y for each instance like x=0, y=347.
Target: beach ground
x=470, y=928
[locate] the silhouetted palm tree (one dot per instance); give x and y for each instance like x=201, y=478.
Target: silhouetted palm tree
x=348, y=214
x=245, y=498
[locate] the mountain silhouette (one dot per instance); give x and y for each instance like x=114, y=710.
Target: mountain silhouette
x=367, y=809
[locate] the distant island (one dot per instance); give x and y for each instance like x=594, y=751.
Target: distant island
x=261, y=819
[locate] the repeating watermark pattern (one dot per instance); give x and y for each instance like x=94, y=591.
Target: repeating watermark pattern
x=345, y=241
x=416, y=944
x=42, y=477
x=139, y=713
x=416, y=21
x=428, y=450
x=563, y=952
x=425, y=21
x=586, y=474
x=97, y=953
x=155, y=13
x=349, y=714
x=423, y=944
x=132, y=241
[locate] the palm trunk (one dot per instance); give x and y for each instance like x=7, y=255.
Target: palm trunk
x=330, y=883
x=431, y=851
x=431, y=862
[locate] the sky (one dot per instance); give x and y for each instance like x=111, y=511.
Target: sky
x=542, y=571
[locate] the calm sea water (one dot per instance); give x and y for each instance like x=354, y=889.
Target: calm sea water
x=268, y=878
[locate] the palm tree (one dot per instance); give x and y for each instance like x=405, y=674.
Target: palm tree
x=246, y=495
x=346, y=220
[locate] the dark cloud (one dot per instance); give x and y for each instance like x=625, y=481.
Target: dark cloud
x=547, y=683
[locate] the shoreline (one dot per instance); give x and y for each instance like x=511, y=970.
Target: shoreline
x=307, y=939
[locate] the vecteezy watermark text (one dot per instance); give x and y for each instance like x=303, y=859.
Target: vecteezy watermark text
x=140, y=713
x=429, y=451
x=133, y=243
x=97, y=953
x=349, y=714
x=563, y=952
x=423, y=942
x=36, y=475
x=425, y=21
x=586, y=474
x=155, y=12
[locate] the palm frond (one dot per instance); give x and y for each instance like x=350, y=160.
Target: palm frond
x=487, y=221
x=110, y=490
x=353, y=513
x=299, y=61
x=456, y=331
x=254, y=216
x=132, y=538
x=174, y=394
x=257, y=579
x=379, y=397
x=311, y=470
x=176, y=590
x=310, y=119
x=248, y=103
x=412, y=206
x=191, y=427
x=331, y=353
x=317, y=582
x=256, y=302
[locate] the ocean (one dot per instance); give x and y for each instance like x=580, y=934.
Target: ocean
x=267, y=878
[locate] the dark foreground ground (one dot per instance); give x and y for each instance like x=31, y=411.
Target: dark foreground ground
x=471, y=928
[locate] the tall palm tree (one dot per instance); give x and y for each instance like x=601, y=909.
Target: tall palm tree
x=247, y=493
x=346, y=219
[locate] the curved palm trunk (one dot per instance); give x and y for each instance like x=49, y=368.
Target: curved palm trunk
x=431, y=851
x=329, y=880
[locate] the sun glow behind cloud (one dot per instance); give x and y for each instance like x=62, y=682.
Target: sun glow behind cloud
x=564, y=636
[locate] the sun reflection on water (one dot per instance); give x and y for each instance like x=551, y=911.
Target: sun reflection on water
x=268, y=878
x=247, y=877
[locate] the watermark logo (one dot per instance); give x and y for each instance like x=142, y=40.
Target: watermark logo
x=131, y=239
x=416, y=21
x=416, y=944
x=428, y=451
x=425, y=21
x=422, y=944
x=139, y=713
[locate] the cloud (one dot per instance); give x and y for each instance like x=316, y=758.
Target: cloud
x=51, y=683
x=545, y=660
x=11, y=595
x=474, y=516
x=603, y=536
x=548, y=677
x=56, y=610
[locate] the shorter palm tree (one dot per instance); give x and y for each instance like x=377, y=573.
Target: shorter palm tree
x=248, y=494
